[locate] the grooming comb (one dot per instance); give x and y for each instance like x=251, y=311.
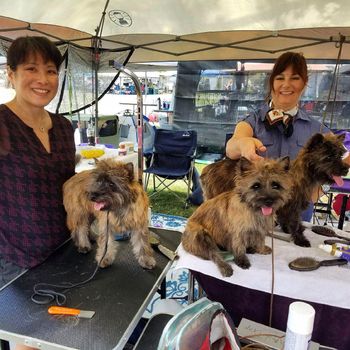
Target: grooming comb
x=68, y=311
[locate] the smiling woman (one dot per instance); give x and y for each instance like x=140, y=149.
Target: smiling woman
x=37, y=155
x=33, y=73
x=279, y=128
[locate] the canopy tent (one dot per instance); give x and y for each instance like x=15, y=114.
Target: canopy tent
x=174, y=30
x=92, y=33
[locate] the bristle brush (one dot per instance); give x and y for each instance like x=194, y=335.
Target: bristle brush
x=326, y=231
x=310, y=264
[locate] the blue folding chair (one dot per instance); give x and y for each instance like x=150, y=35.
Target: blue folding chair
x=172, y=159
x=148, y=140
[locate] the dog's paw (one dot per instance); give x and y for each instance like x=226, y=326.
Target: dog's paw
x=302, y=241
x=250, y=250
x=147, y=262
x=226, y=270
x=106, y=262
x=243, y=262
x=84, y=249
x=265, y=250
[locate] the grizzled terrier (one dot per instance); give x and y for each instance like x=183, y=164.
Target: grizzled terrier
x=110, y=194
x=238, y=220
x=319, y=162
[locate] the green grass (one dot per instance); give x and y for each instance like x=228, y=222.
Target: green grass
x=166, y=202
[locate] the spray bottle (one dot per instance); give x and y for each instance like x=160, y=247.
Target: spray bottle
x=299, y=326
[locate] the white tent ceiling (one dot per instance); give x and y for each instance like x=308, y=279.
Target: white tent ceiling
x=180, y=30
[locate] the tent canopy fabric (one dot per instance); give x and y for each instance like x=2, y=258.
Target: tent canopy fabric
x=179, y=30
x=91, y=33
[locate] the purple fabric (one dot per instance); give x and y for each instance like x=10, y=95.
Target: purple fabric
x=331, y=326
x=344, y=189
x=32, y=216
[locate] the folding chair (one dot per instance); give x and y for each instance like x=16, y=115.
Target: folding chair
x=172, y=159
x=148, y=140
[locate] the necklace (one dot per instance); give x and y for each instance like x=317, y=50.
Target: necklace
x=41, y=126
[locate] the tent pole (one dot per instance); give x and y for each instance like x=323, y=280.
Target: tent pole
x=136, y=81
x=96, y=63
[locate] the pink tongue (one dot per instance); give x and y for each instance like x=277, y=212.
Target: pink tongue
x=338, y=180
x=266, y=210
x=98, y=206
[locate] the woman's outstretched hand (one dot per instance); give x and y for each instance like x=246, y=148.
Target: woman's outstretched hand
x=249, y=146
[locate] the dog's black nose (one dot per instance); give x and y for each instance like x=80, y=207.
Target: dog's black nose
x=268, y=202
x=93, y=196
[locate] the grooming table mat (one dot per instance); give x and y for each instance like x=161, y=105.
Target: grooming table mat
x=327, y=285
x=118, y=294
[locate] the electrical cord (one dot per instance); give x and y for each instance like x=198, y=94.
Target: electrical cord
x=45, y=293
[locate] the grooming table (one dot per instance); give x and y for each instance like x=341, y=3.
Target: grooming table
x=88, y=164
x=118, y=294
x=247, y=293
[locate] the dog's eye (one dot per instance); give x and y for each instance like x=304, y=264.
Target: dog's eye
x=275, y=185
x=256, y=186
x=112, y=186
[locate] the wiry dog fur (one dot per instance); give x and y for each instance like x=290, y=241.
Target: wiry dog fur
x=109, y=190
x=238, y=220
x=319, y=162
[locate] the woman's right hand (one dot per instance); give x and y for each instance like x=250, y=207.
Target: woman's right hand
x=249, y=146
x=243, y=144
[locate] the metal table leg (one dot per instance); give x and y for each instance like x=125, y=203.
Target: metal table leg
x=342, y=212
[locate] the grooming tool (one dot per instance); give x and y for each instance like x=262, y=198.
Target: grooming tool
x=68, y=311
x=281, y=235
x=326, y=231
x=155, y=242
x=310, y=264
x=335, y=241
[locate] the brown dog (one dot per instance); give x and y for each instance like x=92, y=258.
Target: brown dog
x=238, y=220
x=110, y=194
x=319, y=162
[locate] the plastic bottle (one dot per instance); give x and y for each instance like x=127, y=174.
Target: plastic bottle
x=339, y=252
x=90, y=133
x=299, y=326
x=77, y=136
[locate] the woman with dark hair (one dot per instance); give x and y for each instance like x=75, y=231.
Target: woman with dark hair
x=37, y=155
x=279, y=128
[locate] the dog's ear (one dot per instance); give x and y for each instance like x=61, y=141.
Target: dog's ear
x=341, y=137
x=130, y=169
x=96, y=160
x=285, y=162
x=244, y=164
x=314, y=141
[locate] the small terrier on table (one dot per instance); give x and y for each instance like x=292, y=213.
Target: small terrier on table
x=239, y=219
x=319, y=162
x=110, y=194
